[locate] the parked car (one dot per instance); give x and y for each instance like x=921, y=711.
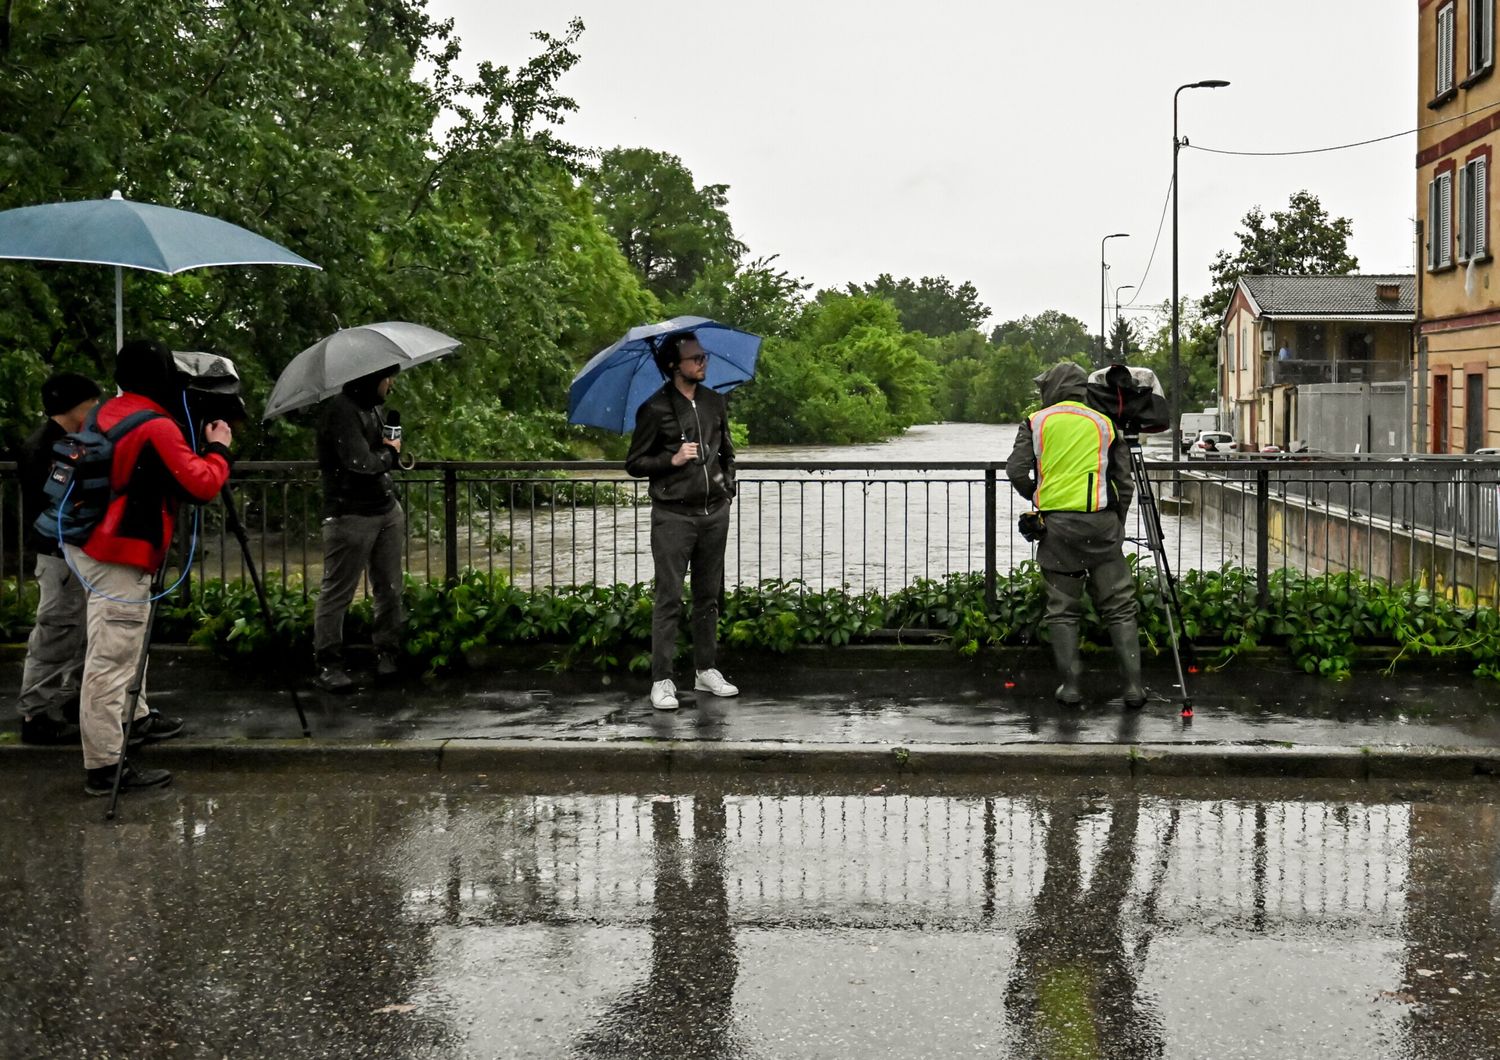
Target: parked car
x=1212, y=443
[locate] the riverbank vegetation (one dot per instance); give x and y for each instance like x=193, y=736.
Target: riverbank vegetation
x=1322, y=623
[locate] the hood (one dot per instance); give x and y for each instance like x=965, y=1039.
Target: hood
x=1064, y=381
x=146, y=367
x=363, y=391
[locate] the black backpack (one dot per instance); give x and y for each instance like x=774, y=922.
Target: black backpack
x=77, y=487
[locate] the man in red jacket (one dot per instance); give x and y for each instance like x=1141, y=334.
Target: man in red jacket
x=154, y=468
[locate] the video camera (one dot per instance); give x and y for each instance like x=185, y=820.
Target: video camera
x=1131, y=397
x=211, y=385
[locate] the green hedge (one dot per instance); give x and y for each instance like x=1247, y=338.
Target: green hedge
x=1319, y=621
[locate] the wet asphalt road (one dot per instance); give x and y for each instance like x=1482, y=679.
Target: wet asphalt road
x=270, y=915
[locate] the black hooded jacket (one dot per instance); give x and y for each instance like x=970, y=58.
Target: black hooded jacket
x=355, y=463
x=663, y=422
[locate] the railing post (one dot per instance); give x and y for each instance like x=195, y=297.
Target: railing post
x=1262, y=537
x=450, y=524
x=989, y=537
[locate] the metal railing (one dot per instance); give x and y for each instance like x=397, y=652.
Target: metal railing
x=863, y=525
x=1298, y=371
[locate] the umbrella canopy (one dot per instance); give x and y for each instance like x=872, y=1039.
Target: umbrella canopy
x=133, y=235
x=321, y=370
x=611, y=387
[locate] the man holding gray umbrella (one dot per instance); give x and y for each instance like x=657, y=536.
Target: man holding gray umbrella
x=364, y=526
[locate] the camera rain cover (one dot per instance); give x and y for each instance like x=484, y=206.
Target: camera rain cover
x=1131, y=397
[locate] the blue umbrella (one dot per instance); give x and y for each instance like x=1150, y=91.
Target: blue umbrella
x=611, y=387
x=133, y=235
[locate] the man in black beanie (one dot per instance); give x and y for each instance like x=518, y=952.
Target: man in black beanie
x=48, y=703
x=364, y=527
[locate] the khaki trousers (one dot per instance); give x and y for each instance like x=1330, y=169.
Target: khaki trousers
x=54, y=651
x=117, y=636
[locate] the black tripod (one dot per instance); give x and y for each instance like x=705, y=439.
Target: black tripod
x=1151, y=516
x=237, y=528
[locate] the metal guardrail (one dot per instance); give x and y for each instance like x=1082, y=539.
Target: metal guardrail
x=867, y=526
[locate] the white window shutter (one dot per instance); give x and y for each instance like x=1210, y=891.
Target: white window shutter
x=1445, y=48
x=1433, y=225
x=1481, y=191
x=1445, y=215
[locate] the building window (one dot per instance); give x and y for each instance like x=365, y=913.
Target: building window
x=1244, y=356
x=1473, y=219
x=1230, y=359
x=1445, y=48
x=1481, y=37
x=1440, y=221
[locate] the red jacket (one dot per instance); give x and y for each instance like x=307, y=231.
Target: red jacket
x=154, y=469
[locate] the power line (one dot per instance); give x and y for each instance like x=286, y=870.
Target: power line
x=1141, y=284
x=1343, y=147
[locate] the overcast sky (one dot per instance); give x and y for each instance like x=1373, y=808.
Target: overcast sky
x=997, y=141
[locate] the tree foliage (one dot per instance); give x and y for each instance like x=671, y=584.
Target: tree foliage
x=1300, y=240
x=670, y=230
x=316, y=125
x=932, y=305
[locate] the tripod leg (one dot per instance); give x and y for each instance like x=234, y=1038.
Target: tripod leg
x=1156, y=542
x=237, y=528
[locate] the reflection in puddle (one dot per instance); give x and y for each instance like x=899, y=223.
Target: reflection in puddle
x=732, y=925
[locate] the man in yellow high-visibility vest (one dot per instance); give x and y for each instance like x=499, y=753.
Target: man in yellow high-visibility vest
x=1070, y=463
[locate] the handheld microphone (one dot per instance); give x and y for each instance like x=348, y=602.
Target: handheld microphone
x=392, y=429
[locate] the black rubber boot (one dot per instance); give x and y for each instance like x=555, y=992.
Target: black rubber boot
x=1126, y=639
x=1069, y=666
x=332, y=677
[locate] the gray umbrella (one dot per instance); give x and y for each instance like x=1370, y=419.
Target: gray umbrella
x=133, y=235
x=321, y=370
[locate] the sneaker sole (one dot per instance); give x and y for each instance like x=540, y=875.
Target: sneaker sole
x=663, y=706
x=125, y=789
x=710, y=691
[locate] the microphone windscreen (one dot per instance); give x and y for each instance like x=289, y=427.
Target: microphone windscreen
x=393, y=418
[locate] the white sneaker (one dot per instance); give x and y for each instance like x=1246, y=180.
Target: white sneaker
x=664, y=694
x=713, y=681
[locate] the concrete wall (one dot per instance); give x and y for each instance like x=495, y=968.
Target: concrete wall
x=1321, y=539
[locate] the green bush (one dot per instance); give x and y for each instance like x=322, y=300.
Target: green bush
x=1320, y=620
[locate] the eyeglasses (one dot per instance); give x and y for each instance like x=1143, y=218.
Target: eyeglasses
x=697, y=358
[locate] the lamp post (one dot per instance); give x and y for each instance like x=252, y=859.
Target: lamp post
x=1176, y=394
x=1103, y=268
x=1123, y=287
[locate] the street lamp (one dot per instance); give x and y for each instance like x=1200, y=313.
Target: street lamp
x=1103, y=268
x=1176, y=396
x=1123, y=287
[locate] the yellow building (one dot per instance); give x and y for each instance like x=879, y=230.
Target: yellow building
x=1456, y=373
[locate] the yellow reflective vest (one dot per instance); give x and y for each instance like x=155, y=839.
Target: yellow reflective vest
x=1071, y=442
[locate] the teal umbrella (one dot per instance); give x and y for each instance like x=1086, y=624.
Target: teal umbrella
x=133, y=235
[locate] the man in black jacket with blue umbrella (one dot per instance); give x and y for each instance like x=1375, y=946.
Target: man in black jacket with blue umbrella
x=681, y=443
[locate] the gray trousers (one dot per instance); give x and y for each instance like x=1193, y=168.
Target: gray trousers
x=1110, y=584
x=54, y=651
x=116, y=638
x=679, y=542
x=354, y=545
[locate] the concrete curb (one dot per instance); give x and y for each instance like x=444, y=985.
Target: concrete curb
x=767, y=759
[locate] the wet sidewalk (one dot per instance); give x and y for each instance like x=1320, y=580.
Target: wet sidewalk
x=856, y=704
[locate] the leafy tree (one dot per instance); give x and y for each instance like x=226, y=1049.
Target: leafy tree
x=670, y=230
x=1300, y=240
x=1053, y=335
x=757, y=297
x=849, y=373
x=315, y=124
x=931, y=305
